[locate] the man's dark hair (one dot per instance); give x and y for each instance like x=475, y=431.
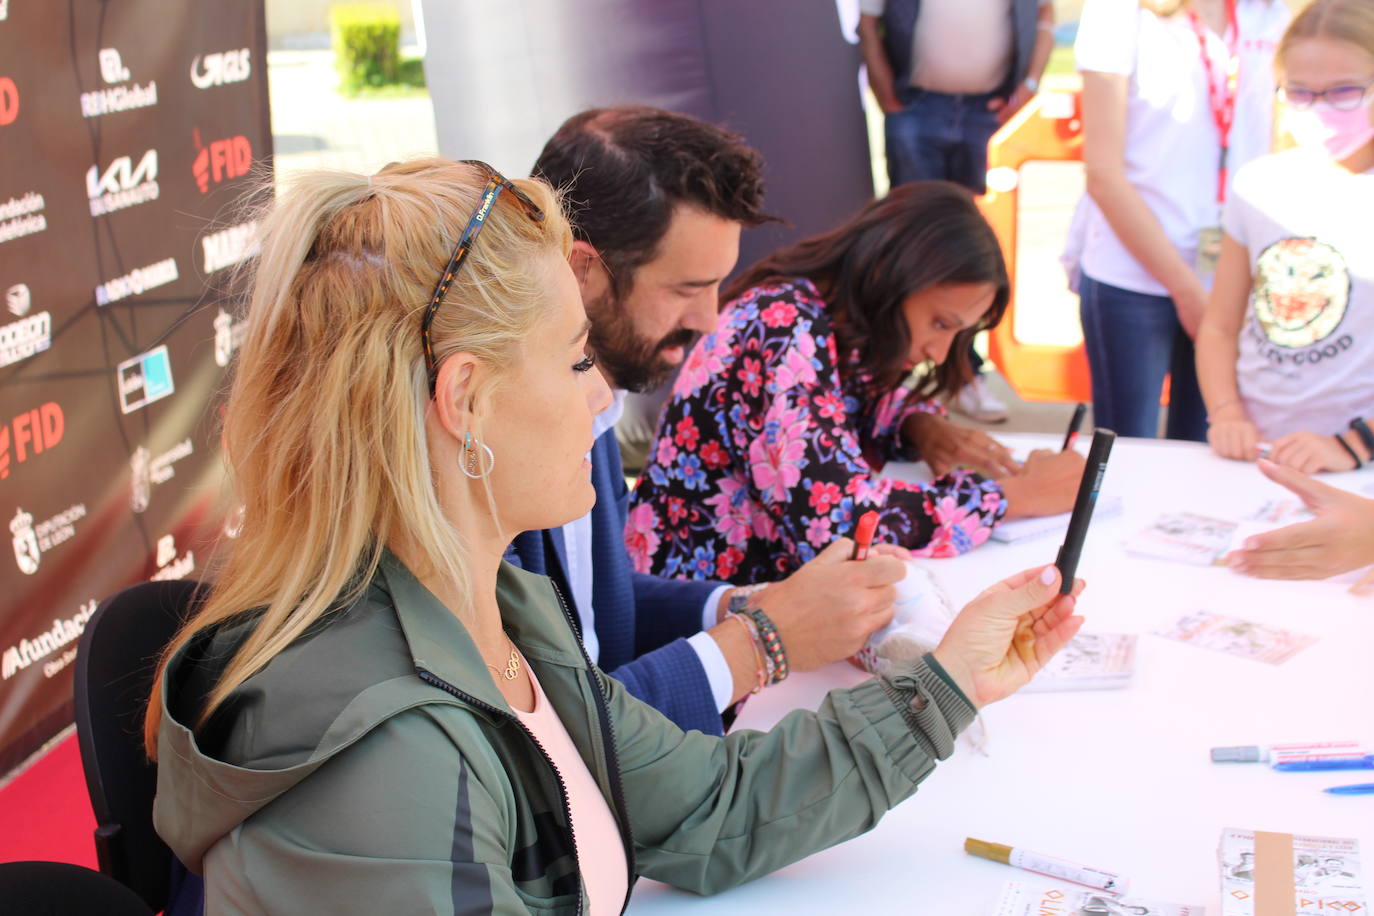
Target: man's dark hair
x=623, y=169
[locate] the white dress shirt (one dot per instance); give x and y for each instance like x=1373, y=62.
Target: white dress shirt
x=577, y=543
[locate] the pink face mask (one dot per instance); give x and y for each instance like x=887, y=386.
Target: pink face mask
x=1338, y=133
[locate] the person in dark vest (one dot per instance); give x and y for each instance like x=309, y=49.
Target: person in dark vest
x=947, y=74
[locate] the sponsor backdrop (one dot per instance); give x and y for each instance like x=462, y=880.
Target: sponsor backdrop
x=127, y=134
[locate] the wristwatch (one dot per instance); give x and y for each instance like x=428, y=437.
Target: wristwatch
x=1032, y=84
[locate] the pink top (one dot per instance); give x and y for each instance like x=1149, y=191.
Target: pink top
x=600, y=851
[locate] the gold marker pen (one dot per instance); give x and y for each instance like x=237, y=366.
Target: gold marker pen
x=1047, y=865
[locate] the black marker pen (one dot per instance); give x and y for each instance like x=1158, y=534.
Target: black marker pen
x=1088, y=488
x=1077, y=421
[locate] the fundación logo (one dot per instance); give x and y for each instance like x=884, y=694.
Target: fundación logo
x=220, y=160
x=21, y=216
x=64, y=632
x=121, y=94
x=144, y=379
x=30, y=433
x=122, y=184
x=147, y=470
x=221, y=68
x=29, y=335
x=32, y=541
x=9, y=101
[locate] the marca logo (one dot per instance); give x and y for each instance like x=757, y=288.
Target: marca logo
x=221, y=160
x=18, y=299
x=64, y=632
x=32, y=541
x=30, y=433
x=121, y=97
x=168, y=565
x=22, y=216
x=228, y=337
x=139, y=280
x=230, y=246
x=24, y=338
x=9, y=101
x=144, y=379
x=147, y=470
x=221, y=68
x=122, y=184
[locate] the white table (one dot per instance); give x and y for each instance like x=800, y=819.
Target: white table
x=1115, y=779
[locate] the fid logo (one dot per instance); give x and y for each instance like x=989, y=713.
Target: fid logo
x=9, y=101
x=112, y=69
x=32, y=432
x=221, y=160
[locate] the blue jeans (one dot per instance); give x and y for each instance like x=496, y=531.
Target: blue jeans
x=1133, y=339
x=937, y=136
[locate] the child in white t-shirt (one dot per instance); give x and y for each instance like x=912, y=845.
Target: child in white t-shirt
x=1157, y=76
x=1286, y=349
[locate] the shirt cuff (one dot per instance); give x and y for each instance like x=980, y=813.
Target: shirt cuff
x=717, y=669
x=712, y=605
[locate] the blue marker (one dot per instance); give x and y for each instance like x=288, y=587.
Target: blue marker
x=1363, y=788
x=1350, y=763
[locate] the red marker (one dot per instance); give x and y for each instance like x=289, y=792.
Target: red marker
x=863, y=535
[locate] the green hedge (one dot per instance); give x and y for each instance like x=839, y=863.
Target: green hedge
x=367, y=44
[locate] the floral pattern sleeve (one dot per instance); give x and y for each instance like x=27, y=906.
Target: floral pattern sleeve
x=766, y=453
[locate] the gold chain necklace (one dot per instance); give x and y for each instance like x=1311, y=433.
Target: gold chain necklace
x=512, y=670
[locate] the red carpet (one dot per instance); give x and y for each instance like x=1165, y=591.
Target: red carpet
x=45, y=812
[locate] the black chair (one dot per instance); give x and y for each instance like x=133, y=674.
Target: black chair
x=61, y=889
x=115, y=665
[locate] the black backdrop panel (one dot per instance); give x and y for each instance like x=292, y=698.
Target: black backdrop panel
x=127, y=132
x=505, y=73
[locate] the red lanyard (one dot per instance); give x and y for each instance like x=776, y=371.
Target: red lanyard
x=1221, y=92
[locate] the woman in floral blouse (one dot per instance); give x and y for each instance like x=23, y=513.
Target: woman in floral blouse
x=780, y=420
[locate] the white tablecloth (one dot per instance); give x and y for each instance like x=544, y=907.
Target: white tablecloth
x=1116, y=779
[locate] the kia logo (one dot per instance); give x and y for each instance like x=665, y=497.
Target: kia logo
x=9, y=101
x=121, y=175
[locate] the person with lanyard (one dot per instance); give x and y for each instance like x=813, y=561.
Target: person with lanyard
x=1284, y=353
x=1177, y=94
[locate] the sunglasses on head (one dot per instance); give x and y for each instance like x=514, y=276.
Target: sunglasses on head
x=496, y=183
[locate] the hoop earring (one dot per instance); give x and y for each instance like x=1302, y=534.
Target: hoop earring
x=471, y=463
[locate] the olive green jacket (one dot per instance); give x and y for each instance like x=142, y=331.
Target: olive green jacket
x=373, y=767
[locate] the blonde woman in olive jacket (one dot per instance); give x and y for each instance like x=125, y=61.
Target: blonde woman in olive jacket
x=352, y=721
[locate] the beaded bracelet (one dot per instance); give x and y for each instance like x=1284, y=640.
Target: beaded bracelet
x=1362, y=430
x=769, y=639
x=761, y=665
x=1349, y=450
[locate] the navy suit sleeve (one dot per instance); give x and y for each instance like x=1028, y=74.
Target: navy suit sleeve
x=667, y=609
x=672, y=680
